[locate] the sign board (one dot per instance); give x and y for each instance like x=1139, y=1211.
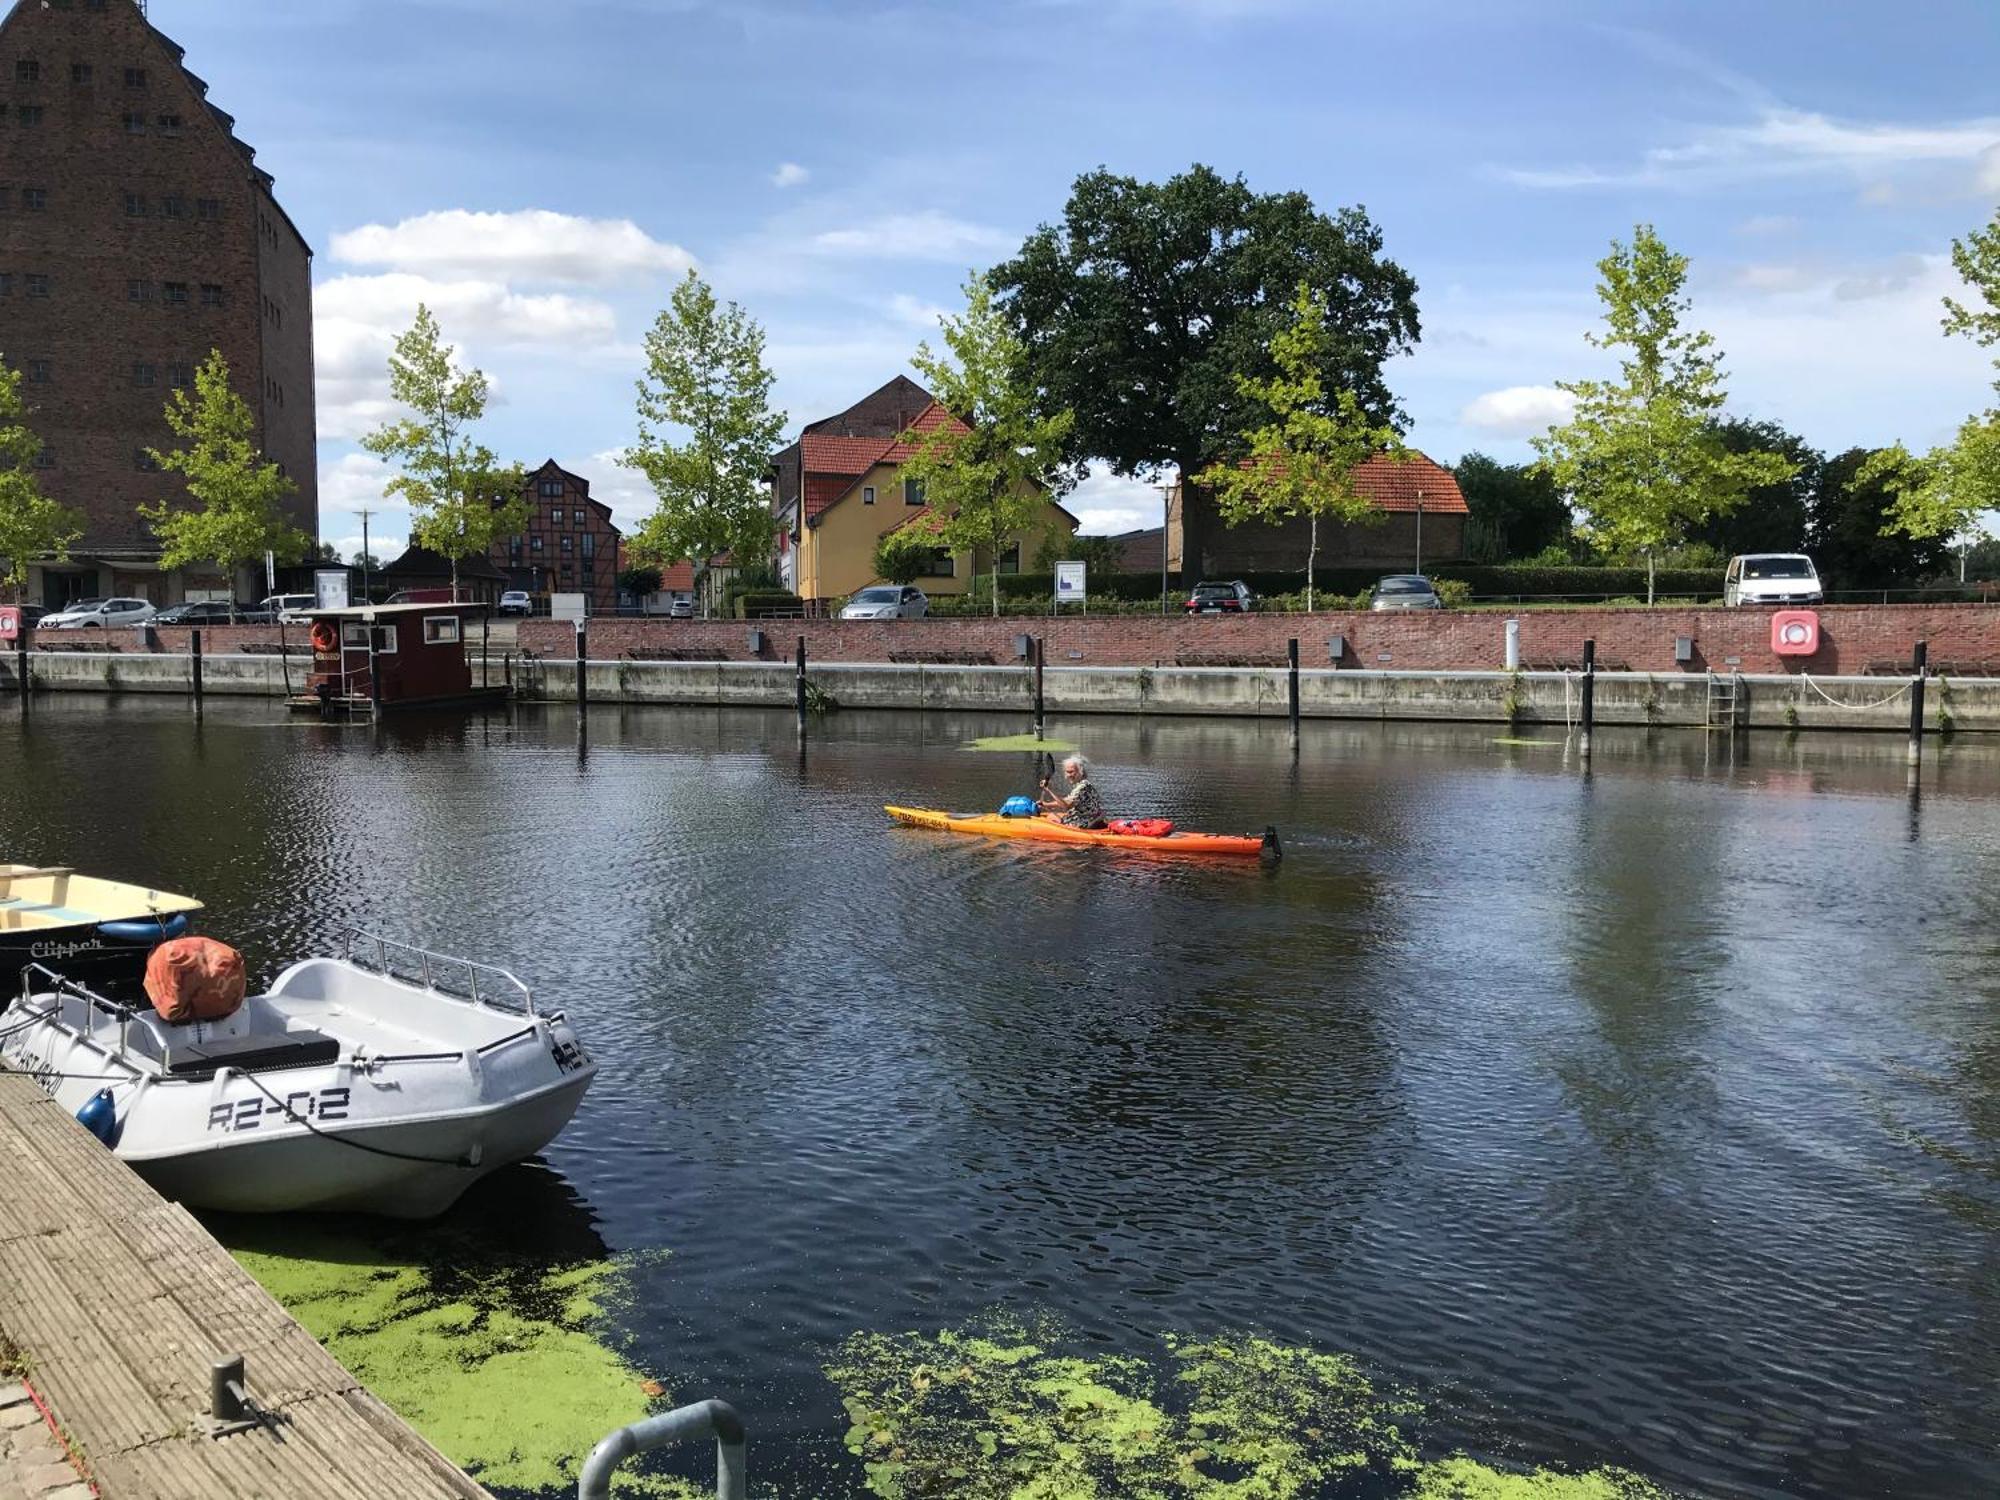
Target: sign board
x=1069, y=583
x=330, y=588
x=10, y=622
x=270, y=573
x=567, y=606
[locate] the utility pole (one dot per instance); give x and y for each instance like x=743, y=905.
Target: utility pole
x=1166, y=526
x=366, y=598
x=1420, y=531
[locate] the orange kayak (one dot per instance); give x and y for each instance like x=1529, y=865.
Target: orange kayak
x=993, y=825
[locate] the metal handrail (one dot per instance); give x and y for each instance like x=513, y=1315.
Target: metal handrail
x=501, y=982
x=696, y=1421
x=93, y=1002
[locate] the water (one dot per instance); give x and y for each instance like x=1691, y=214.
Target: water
x=1643, y=1119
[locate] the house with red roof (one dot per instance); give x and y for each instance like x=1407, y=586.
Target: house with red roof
x=1421, y=516
x=839, y=490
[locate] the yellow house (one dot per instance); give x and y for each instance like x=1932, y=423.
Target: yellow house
x=836, y=495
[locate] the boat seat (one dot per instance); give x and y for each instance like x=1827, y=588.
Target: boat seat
x=252, y=1054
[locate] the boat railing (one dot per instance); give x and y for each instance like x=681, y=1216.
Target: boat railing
x=59, y=985
x=486, y=985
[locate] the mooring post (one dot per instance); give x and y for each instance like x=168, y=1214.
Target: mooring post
x=1041, y=719
x=800, y=686
x=21, y=663
x=507, y=669
x=376, y=641
x=1589, y=694
x=1292, y=661
x=582, y=655
x=485, y=650
x=194, y=661
x=1923, y=653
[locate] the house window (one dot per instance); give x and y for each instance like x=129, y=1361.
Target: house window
x=46, y=459
x=142, y=374
x=135, y=122
x=170, y=124
x=208, y=208
x=174, y=293
x=534, y=544
x=211, y=294
x=79, y=72
x=30, y=114
x=38, y=372
x=38, y=284
x=567, y=541
x=135, y=78
x=135, y=205
x=514, y=549
x=138, y=291
x=27, y=70
x=940, y=564
x=181, y=378
x=552, y=490
x=1010, y=560
x=913, y=492
x=173, y=206
x=144, y=462
x=34, y=200
x=6, y=283
x=440, y=630
x=6, y=198
x=589, y=548
x=867, y=494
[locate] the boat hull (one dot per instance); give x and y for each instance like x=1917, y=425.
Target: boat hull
x=1046, y=830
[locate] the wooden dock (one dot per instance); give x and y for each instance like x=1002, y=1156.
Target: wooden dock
x=121, y=1302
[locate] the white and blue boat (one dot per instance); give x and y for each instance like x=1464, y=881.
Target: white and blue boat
x=97, y=932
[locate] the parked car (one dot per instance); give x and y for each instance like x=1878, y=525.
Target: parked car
x=680, y=609
x=517, y=602
x=92, y=613
x=31, y=615
x=1768, y=578
x=208, y=612
x=1405, y=591
x=887, y=602
x=1221, y=599
x=288, y=608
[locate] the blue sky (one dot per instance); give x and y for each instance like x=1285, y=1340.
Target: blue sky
x=840, y=167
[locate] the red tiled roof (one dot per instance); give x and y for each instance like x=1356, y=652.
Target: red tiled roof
x=1395, y=484
x=929, y=419
x=679, y=579
x=842, y=455
x=833, y=464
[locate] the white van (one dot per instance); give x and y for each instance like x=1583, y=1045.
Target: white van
x=1770, y=578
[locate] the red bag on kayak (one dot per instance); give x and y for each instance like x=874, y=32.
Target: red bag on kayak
x=195, y=979
x=1142, y=828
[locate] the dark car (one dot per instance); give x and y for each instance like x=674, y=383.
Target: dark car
x=1220, y=599
x=210, y=612
x=31, y=615
x=1406, y=591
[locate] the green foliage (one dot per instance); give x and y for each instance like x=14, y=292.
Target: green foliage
x=239, y=495
x=642, y=582
x=986, y=481
x=1301, y=461
x=32, y=526
x=902, y=555
x=1516, y=506
x=1455, y=592
x=461, y=497
x=1641, y=458
x=1140, y=309
x=1772, y=517
x=768, y=604
x=1100, y=555
x=1851, y=539
x=705, y=376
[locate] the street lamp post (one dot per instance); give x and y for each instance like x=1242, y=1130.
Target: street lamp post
x=364, y=514
x=1420, y=531
x=1166, y=526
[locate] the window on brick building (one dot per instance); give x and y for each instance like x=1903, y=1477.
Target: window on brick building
x=143, y=461
x=170, y=124
x=27, y=70
x=38, y=372
x=135, y=78
x=6, y=283
x=46, y=459
x=552, y=488
x=589, y=548
x=138, y=291
x=211, y=294
x=93, y=4
x=208, y=208
x=134, y=122
x=568, y=542
x=143, y=374
x=135, y=205
x=79, y=72
x=534, y=544
x=173, y=206
x=38, y=284
x=29, y=114
x=6, y=199
x=181, y=378
x=34, y=200
x=174, y=293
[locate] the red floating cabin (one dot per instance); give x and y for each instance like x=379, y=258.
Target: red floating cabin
x=378, y=658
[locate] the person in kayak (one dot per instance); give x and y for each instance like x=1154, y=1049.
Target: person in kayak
x=1081, y=806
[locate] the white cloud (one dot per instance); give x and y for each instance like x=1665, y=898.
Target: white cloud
x=1519, y=410
x=356, y=320
x=1782, y=142
x=921, y=236
x=1769, y=225
x=789, y=175
x=916, y=312
x=625, y=490
x=531, y=245
x=1107, y=503
x=350, y=484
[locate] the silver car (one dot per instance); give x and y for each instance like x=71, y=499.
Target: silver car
x=887, y=602
x=91, y=613
x=1405, y=591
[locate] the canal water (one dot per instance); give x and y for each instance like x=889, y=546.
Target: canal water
x=1645, y=1119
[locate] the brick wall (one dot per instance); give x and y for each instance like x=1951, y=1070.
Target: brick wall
x=1641, y=640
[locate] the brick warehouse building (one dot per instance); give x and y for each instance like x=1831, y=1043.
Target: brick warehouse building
x=571, y=545
x=137, y=233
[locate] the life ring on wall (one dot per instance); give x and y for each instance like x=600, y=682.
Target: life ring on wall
x=1794, y=632
x=323, y=637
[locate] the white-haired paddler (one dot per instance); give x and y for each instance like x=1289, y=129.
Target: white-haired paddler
x=1081, y=806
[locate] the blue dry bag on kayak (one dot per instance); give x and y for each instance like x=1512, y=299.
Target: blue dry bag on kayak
x=1018, y=807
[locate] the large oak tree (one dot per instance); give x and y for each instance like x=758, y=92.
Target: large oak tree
x=1141, y=308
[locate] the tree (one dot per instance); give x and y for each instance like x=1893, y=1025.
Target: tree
x=705, y=374
x=1942, y=494
x=1849, y=539
x=1098, y=554
x=461, y=497
x=1772, y=517
x=1641, y=457
x=1142, y=307
x=640, y=583
x=1301, y=461
x=239, y=494
x=368, y=562
x=32, y=525
x=987, y=475
x=902, y=555
x=1515, y=506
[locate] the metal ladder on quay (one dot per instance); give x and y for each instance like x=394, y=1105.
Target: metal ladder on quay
x=1725, y=702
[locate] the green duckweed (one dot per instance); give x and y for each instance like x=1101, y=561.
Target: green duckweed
x=1462, y=1478
x=1021, y=742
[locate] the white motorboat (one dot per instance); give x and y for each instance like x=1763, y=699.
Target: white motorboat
x=386, y=1081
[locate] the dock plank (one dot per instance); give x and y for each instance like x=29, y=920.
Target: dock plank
x=122, y=1302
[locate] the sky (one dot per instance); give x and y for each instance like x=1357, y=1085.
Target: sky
x=542, y=171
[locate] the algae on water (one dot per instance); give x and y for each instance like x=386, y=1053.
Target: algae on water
x=1021, y=742
x=1462, y=1478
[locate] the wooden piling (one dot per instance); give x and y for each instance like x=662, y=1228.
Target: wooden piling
x=1292, y=674
x=194, y=663
x=1589, y=695
x=1041, y=719
x=1922, y=658
x=582, y=658
x=800, y=686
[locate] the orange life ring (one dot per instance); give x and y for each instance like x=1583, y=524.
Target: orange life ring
x=323, y=638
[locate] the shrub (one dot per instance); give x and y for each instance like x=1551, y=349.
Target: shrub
x=1454, y=592
x=768, y=604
